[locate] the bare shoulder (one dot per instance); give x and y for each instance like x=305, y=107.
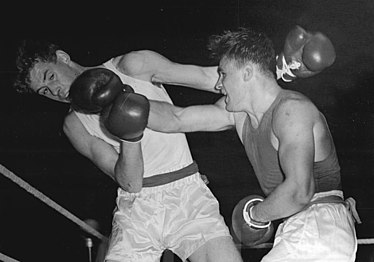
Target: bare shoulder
x=296, y=109
x=296, y=104
x=138, y=62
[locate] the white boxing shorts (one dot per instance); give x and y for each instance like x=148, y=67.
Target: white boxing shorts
x=180, y=216
x=322, y=232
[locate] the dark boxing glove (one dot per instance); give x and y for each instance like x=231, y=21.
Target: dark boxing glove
x=95, y=89
x=127, y=117
x=247, y=230
x=305, y=54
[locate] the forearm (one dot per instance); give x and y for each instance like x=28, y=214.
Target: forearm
x=209, y=80
x=198, y=77
x=129, y=168
x=283, y=202
x=168, y=118
x=162, y=117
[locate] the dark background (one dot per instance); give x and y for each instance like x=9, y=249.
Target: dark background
x=33, y=146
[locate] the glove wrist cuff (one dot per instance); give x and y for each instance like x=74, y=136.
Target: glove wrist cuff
x=247, y=215
x=132, y=140
x=256, y=223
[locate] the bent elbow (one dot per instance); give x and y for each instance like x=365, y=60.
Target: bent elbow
x=129, y=185
x=132, y=187
x=304, y=192
x=303, y=197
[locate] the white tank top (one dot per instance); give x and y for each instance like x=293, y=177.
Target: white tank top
x=162, y=152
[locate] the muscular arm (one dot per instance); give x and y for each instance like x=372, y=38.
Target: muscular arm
x=125, y=168
x=293, y=126
x=151, y=66
x=165, y=117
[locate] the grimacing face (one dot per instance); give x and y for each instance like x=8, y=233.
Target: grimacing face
x=53, y=80
x=229, y=82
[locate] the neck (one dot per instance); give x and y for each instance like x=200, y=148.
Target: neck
x=80, y=69
x=263, y=96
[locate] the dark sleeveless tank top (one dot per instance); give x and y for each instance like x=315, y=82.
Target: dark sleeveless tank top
x=264, y=157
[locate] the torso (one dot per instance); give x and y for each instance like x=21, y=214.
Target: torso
x=162, y=152
x=261, y=145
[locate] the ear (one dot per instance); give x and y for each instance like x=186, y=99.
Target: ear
x=62, y=56
x=247, y=72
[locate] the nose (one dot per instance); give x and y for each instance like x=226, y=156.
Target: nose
x=56, y=91
x=59, y=92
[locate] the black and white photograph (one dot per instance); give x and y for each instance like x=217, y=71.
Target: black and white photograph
x=199, y=131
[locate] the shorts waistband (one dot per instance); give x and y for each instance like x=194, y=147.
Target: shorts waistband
x=336, y=196
x=149, y=191
x=169, y=177
x=320, y=195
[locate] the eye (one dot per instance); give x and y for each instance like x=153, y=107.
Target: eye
x=52, y=76
x=222, y=74
x=44, y=91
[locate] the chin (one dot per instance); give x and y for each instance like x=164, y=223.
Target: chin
x=228, y=108
x=63, y=101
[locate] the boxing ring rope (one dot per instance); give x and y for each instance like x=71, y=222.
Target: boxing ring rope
x=365, y=241
x=5, y=258
x=50, y=202
x=20, y=182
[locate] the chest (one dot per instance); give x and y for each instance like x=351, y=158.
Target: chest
x=241, y=120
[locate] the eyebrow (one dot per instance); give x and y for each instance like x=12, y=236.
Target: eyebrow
x=45, y=75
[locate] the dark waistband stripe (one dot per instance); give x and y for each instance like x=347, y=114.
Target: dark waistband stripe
x=169, y=177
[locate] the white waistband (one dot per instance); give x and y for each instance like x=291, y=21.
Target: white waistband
x=338, y=193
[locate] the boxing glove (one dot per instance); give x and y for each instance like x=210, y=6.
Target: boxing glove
x=304, y=55
x=249, y=231
x=127, y=117
x=95, y=89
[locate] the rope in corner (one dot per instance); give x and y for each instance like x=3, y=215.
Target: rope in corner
x=36, y=193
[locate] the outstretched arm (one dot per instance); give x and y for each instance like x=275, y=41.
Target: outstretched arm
x=151, y=66
x=165, y=117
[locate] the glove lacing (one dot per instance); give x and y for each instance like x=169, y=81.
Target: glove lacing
x=286, y=69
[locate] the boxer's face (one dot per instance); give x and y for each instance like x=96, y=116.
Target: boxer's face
x=229, y=82
x=53, y=80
